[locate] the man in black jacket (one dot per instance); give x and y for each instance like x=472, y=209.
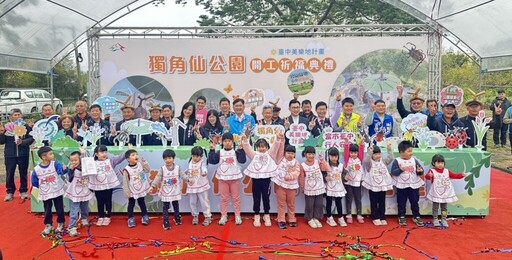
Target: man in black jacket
x=473, y=106
x=498, y=107
x=16, y=153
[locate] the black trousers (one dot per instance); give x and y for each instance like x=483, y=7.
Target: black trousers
x=353, y=193
x=10, y=168
x=378, y=205
x=58, y=203
x=413, y=195
x=500, y=131
x=142, y=206
x=104, y=198
x=261, y=190
x=175, y=208
x=337, y=202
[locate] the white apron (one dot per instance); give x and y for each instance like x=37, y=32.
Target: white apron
x=170, y=190
x=355, y=172
x=51, y=184
x=313, y=179
x=262, y=166
x=106, y=177
x=228, y=166
x=442, y=190
x=335, y=187
x=285, y=168
x=378, y=178
x=408, y=178
x=138, y=181
x=199, y=183
x=78, y=190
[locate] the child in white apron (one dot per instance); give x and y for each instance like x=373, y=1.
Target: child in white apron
x=198, y=186
x=229, y=174
x=136, y=185
x=286, y=185
x=262, y=167
x=78, y=194
x=335, y=188
x=47, y=178
x=312, y=183
x=170, y=189
x=377, y=180
x=441, y=191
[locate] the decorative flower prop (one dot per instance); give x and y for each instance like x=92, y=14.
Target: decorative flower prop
x=138, y=127
x=86, y=135
x=38, y=135
x=96, y=133
x=481, y=125
x=423, y=135
x=123, y=136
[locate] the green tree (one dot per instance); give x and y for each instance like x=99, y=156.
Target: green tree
x=299, y=12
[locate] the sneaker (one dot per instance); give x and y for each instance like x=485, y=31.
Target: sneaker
x=223, y=220
x=24, y=196
x=131, y=222
x=8, y=197
x=145, y=220
x=444, y=222
x=207, y=221
x=383, y=222
x=177, y=220
x=266, y=219
x=318, y=224
x=47, y=229
x=238, y=220
x=360, y=219
x=85, y=222
x=402, y=221
x=106, y=221
x=257, y=221
x=73, y=232
x=342, y=222
x=281, y=224
x=436, y=222
x=312, y=223
x=60, y=228
x=195, y=220
x=166, y=225
x=330, y=221
x=293, y=224
x=99, y=222
x=418, y=221
x=377, y=222
x=349, y=219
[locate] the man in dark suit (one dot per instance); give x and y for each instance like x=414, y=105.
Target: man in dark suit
x=321, y=121
x=294, y=118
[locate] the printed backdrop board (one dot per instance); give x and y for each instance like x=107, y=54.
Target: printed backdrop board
x=174, y=71
x=472, y=191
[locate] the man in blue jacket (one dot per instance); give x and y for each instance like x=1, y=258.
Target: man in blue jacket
x=447, y=122
x=16, y=154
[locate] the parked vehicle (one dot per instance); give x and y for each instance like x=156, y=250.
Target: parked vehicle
x=30, y=101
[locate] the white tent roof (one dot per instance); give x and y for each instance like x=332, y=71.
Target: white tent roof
x=484, y=26
x=37, y=34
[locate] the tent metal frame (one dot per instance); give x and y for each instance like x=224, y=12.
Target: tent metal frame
x=360, y=30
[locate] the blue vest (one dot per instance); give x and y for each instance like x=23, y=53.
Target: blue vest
x=377, y=125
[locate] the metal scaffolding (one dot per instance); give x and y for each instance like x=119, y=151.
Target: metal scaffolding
x=360, y=30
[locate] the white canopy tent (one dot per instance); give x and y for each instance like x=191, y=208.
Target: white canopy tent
x=482, y=26
x=37, y=34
